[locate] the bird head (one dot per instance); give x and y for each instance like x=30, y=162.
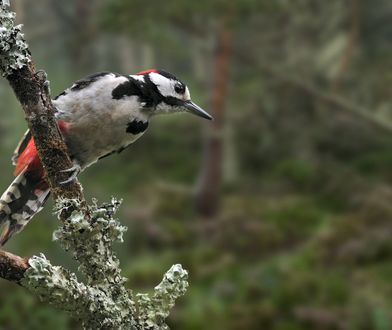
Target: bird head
x=170, y=94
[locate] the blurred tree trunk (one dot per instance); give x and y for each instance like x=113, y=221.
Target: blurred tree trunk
x=84, y=35
x=81, y=17
x=201, y=66
x=126, y=55
x=207, y=195
x=230, y=157
x=352, y=40
x=147, y=57
x=18, y=6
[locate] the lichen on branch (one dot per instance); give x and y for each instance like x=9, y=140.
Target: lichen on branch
x=101, y=301
x=14, y=53
x=155, y=308
x=90, y=240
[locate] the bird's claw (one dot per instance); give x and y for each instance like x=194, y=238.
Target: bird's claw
x=41, y=75
x=74, y=170
x=43, y=78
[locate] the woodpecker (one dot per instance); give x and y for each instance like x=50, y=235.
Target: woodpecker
x=98, y=116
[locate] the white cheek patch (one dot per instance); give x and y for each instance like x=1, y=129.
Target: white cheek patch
x=164, y=85
x=187, y=95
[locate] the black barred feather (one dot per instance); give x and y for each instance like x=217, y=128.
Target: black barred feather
x=20, y=202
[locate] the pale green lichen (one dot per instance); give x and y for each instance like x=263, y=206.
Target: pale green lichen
x=153, y=310
x=14, y=53
x=102, y=302
x=94, y=306
x=53, y=283
x=90, y=241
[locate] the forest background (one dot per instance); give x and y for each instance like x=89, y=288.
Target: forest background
x=281, y=207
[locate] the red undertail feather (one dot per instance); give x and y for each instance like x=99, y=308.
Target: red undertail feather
x=28, y=158
x=27, y=194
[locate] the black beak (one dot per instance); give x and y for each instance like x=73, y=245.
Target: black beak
x=196, y=110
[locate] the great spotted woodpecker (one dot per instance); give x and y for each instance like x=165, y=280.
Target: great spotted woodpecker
x=98, y=116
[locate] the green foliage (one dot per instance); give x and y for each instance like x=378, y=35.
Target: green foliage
x=17, y=307
x=302, y=174
x=378, y=162
x=137, y=17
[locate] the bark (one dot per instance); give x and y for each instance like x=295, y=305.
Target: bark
x=32, y=91
x=207, y=198
x=12, y=267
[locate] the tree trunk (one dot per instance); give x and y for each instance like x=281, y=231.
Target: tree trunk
x=84, y=35
x=147, y=57
x=350, y=47
x=207, y=197
x=230, y=157
x=18, y=6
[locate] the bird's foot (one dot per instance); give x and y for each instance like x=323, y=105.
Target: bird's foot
x=43, y=78
x=41, y=75
x=74, y=171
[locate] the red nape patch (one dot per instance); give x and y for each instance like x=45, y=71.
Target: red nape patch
x=29, y=157
x=148, y=71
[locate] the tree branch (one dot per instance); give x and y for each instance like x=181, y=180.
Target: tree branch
x=102, y=301
x=32, y=90
x=12, y=267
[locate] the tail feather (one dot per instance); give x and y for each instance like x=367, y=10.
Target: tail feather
x=20, y=202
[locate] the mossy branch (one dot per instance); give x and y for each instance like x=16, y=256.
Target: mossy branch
x=102, y=301
x=32, y=90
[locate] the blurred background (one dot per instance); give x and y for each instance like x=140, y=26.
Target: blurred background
x=280, y=208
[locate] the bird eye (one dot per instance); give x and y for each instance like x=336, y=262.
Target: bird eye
x=179, y=88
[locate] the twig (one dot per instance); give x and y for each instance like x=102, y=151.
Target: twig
x=12, y=267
